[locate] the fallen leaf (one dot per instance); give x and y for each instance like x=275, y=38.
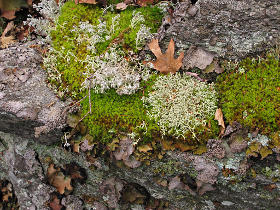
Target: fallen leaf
x=6, y=40
x=58, y=180
x=86, y=1
x=114, y=144
x=29, y=2
x=144, y=3
x=8, y=14
x=219, y=118
x=264, y=152
x=184, y=147
x=76, y=147
x=165, y=63
x=145, y=148
x=121, y=6
x=55, y=204
x=200, y=149
x=167, y=145
x=270, y=187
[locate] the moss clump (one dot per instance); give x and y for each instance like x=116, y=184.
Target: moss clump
x=119, y=113
x=83, y=31
x=250, y=93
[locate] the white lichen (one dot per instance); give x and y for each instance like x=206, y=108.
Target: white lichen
x=180, y=104
x=111, y=70
x=264, y=140
x=49, y=10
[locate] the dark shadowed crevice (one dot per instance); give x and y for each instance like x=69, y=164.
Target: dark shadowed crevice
x=193, y=1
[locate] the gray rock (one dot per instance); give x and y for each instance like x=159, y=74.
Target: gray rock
x=230, y=29
x=28, y=107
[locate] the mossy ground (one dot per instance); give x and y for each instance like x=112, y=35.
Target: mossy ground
x=250, y=93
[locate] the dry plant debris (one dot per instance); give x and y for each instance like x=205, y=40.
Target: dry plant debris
x=165, y=63
x=86, y=1
x=55, y=203
x=219, y=118
x=58, y=180
x=6, y=40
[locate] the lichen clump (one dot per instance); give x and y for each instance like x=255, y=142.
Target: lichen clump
x=180, y=104
x=250, y=93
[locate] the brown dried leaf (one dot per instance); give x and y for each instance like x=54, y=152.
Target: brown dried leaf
x=145, y=148
x=5, y=41
x=58, y=180
x=51, y=170
x=144, y=3
x=184, y=147
x=167, y=145
x=29, y=2
x=165, y=63
x=76, y=147
x=121, y=6
x=219, y=118
x=86, y=1
x=55, y=204
x=8, y=14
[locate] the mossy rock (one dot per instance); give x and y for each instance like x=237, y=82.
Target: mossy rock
x=250, y=93
x=67, y=65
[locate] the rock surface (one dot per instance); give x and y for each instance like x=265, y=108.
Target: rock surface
x=228, y=29
x=219, y=179
x=179, y=181
x=28, y=107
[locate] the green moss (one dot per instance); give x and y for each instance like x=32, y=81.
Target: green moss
x=250, y=93
x=121, y=113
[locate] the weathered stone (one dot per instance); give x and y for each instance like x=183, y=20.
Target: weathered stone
x=230, y=29
x=19, y=165
x=27, y=104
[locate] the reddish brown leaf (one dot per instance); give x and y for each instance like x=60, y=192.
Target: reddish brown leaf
x=165, y=63
x=54, y=204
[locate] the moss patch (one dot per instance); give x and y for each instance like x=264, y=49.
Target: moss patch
x=250, y=93
x=115, y=113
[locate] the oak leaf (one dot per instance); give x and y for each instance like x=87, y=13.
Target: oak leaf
x=165, y=63
x=57, y=179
